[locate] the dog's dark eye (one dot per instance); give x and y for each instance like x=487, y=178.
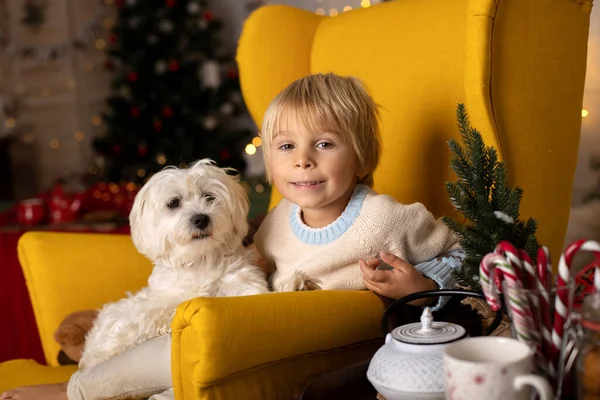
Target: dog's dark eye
x=209, y=198
x=173, y=203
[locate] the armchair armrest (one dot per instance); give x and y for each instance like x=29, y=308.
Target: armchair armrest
x=214, y=338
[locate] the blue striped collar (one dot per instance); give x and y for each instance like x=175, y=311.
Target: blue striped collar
x=334, y=230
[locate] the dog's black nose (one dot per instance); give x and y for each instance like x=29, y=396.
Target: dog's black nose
x=200, y=221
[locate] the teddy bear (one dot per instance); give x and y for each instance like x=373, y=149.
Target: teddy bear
x=70, y=335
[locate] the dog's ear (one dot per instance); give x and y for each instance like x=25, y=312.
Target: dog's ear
x=239, y=208
x=142, y=220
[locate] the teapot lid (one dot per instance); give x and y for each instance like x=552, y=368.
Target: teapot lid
x=429, y=332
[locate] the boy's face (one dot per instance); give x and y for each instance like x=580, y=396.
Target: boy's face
x=317, y=170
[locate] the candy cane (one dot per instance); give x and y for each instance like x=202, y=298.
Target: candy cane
x=561, y=304
x=519, y=309
x=544, y=269
x=491, y=280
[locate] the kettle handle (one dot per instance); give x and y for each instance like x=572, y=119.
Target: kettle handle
x=434, y=293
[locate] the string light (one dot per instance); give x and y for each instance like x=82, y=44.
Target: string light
x=320, y=11
x=584, y=113
x=100, y=44
x=54, y=144
x=257, y=142
x=114, y=188
x=93, y=170
x=161, y=159
x=365, y=3
x=141, y=173
x=347, y=8
x=130, y=186
x=250, y=149
x=79, y=136
x=97, y=194
x=333, y=12
x=105, y=197
x=96, y=120
x=259, y=188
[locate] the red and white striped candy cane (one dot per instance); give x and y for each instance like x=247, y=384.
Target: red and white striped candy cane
x=519, y=307
x=544, y=269
x=562, y=301
x=491, y=280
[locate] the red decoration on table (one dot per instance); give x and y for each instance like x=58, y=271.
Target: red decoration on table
x=31, y=211
x=132, y=76
x=63, y=207
x=173, y=66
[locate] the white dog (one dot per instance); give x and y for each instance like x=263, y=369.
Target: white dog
x=190, y=223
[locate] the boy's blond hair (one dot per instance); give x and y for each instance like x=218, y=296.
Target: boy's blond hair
x=329, y=102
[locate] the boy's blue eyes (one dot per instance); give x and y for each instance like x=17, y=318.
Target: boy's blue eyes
x=320, y=145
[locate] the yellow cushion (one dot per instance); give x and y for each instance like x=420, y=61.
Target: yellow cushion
x=22, y=372
x=520, y=78
x=67, y=272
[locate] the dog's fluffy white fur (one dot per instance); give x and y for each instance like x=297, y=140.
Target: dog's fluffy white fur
x=190, y=223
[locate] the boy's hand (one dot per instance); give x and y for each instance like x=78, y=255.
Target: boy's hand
x=402, y=280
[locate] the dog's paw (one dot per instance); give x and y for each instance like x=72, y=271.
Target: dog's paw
x=300, y=282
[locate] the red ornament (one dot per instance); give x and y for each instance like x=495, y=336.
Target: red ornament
x=116, y=149
x=225, y=155
x=142, y=150
x=132, y=76
x=173, y=66
x=112, y=39
x=232, y=73
x=170, y=3
x=157, y=124
x=167, y=112
x=208, y=16
x=134, y=112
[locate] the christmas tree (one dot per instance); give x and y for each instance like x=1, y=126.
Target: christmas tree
x=489, y=206
x=173, y=92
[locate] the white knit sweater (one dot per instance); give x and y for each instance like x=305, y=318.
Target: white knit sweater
x=369, y=224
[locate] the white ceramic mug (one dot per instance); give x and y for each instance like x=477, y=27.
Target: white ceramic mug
x=491, y=368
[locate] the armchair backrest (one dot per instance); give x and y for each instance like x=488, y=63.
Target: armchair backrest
x=518, y=65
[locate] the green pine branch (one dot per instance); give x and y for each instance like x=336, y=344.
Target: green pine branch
x=490, y=207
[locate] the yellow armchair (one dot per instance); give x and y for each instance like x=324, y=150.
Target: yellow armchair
x=519, y=67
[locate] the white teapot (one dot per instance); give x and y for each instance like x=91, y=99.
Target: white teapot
x=409, y=366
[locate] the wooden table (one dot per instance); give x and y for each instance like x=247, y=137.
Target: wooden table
x=344, y=383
